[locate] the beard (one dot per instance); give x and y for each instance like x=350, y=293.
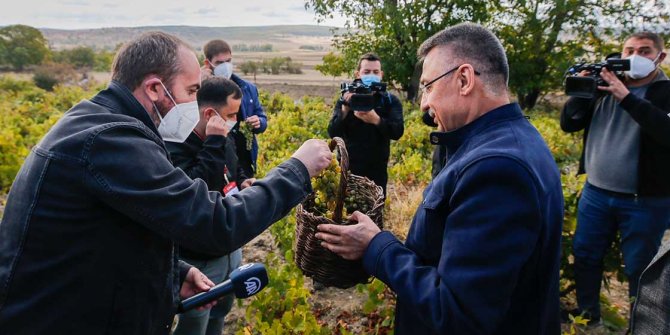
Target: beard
x=164, y=106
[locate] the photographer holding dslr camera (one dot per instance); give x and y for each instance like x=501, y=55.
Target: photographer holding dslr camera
x=367, y=118
x=627, y=158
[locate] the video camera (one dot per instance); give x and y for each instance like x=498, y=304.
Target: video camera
x=587, y=87
x=365, y=97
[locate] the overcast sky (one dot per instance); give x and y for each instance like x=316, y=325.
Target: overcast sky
x=77, y=14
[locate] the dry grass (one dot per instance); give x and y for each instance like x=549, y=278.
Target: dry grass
x=401, y=204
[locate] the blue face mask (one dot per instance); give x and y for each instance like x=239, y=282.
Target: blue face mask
x=368, y=79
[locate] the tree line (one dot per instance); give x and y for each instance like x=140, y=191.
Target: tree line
x=542, y=38
x=22, y=46
x=275, y=65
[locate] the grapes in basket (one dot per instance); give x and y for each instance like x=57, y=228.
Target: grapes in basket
x=326, y=186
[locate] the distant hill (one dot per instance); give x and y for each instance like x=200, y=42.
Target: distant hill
x=281, y=37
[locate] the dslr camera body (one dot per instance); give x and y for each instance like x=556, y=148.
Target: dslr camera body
x=587, y=86
x=365, y=97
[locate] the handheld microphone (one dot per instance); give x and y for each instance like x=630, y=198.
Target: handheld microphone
x=244, y=281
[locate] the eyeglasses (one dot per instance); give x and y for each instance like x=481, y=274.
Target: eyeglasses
x=426, y=87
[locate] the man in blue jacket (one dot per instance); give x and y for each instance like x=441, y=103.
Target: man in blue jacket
x=93, y=216
x=482, y=253
x=219, y=63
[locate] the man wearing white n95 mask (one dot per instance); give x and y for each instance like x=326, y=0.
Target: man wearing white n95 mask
x=627, y=158
x=93, y=217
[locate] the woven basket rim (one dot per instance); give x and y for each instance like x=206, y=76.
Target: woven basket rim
x=314, y=260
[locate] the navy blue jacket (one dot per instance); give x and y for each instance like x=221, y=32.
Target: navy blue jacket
x=482, y=255
x=91, y=221
x=251, y=105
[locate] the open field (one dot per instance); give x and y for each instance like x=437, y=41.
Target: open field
x=284, y=37
x=311, y=82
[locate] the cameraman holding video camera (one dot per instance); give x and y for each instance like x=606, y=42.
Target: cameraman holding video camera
x=627, y=158
x=367, y=133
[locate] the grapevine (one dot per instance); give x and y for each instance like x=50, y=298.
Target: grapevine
x=245, y=130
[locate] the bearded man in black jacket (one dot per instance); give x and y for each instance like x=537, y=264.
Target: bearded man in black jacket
x=93, y=217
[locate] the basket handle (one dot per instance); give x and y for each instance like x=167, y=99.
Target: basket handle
x=343, y=158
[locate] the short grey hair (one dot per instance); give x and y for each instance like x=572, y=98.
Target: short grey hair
x=473, y=44
x=150, y=53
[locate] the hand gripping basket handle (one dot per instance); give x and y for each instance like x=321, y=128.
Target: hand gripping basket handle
x=343, y=158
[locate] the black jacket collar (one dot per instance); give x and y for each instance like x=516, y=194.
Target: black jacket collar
x=118, y=99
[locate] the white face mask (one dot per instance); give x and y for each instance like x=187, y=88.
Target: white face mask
x=224, y=70
x=641, y=67
x=230, y=124
x=179, y=121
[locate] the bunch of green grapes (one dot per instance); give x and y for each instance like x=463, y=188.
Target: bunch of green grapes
x=354, y=202
x=245, y=129
x=325, y=187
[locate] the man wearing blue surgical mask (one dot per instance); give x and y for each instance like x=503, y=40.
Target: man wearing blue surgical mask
x=368, y=134
x=627, y=158
x=219, y=63
x=209, y=154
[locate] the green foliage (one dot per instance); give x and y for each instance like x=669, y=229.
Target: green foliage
x=576, y=325
x=13, y=86
x=253, y=48
x=311, y=47
x=411, y=154
x=282, y=307
x=276, y=65
x=610, y=315
x=333, y=65
x=380, y=306
x=249, y=67
x=292, y=124
x=27, y=114
x=79, y=57
x=22, y=45
x=541, y=38
x=103, y=61
x=48, y=75
x=565, y=148
x=394, y=30
x=84, y=58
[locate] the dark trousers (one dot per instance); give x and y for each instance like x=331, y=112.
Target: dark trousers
x=601, y=213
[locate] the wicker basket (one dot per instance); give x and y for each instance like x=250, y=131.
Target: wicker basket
x=314, y=260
